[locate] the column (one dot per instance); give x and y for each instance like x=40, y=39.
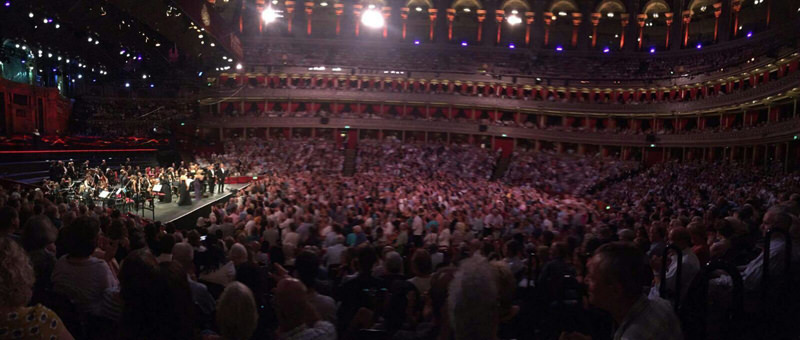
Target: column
x=338, y=9
x=717, y=13
x=736, y=6
x=595, y=22
x=357, y=13
x=576, y=24
x=625, y=17
x=481, y=18
x=309, y=10
x=451, y=16
x=289, y=15
x=640, y=19
x=687, y=18
x=432, y=16
x=498, y=17
x=548, y=19
x=387, y=12
x=528, y=23
x=669, y=18
x=404, y=16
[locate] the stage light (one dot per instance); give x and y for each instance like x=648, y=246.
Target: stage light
x=97, y=42
x=200, y=36
x=512, y=46
x=610, y=14
x=30, y=15
x=655, y=15
x=562, y=13
x=559, y=48
x=464, y=43
x=80, y=76
x=54, y=70
x=652, y=145
x=372, y=18
x=795, y=137
x=8, y=3
x=212, y=44
x=323, y=4
x=504, y=135
x=269, y=15
x=749, y=34
x=49, y=55
x=616, y=36
x=514, y=20
x=347, y=126
x=416, y=42
x=418, y=9
x=24, y=47
x=606, y=49
x=59, y=58
x=514, y=11
x=152, y=86
x=44, y=20
x=144, y=76
x=158, y=44
x=127, y=84
x=58, y=26
x=16, y=45
x=239, y=66
x=608, y=207
x=652, y=50
x=139, y=57
x=699, y=46
x=467, y=10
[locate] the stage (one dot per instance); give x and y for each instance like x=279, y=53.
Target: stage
x=186, y=216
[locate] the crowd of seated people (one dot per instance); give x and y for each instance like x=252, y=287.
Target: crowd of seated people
x=256, y=156
x=424, y=159
x=517, y=62
x=126, y=117
x=403, y=252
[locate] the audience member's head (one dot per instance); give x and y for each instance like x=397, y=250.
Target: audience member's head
x=473, y=301
x=17, y=276
x=80, y=237
x=237, y=314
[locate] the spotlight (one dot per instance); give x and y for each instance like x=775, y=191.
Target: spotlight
x=699, y=46
x=238, y=66
x=80, y=76
x=652, y=50
x=121, y=52
x=97, y=42
x=127, y=84
x=559, y=48
x=606, y=49
x=514, y=11
x=372, y=18
x=323, y=4
x=44, y=20
x=749, y=34
x=562, y=14
x=144, y=76
x=512, y=46
x=152, y=86
x=89, y=39
x=30, y=15
x=464, y=43
x=467, y=10
x=58, y=26
x=212, y=44
x=269, y=15
x=416, y=42
x=158, y=44
x=8, y=3
x=610, y=14
x=514, y=20
x=655, y=15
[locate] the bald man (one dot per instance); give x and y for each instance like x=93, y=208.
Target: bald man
x=297, y=318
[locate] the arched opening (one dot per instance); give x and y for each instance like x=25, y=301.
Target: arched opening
x=418, y=23
x=609, y=24
x=514, y=27
x=657, y=14
x=467, y=21
x=559, y=27
x=323, y=19
x=701, y=26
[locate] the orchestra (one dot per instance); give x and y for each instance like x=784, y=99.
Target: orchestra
x=132, y=184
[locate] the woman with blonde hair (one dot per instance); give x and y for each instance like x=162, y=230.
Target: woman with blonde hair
x=16, y=288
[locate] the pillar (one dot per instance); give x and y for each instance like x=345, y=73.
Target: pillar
x=576, y=24
x=451, y=16
x=338, y=9
x=595, y=18
x=687, y=18
x=289, y=15
x=736, y=6
x=357, y=13
x=717, y=13
x=432, y=15
x=404, y=16
x=528, y=23
x=498, y=17
x=668, y=19
x=548, y=19
x=625, y=18
x=309, y=10
x=481, y=18
x=387, y=12
x=640, y=19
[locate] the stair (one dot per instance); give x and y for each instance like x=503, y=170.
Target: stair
x=500, y=168
x=349, y=168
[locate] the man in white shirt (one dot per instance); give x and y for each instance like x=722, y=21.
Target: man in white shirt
x=690, y=265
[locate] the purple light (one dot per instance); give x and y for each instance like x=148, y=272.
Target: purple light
x=606, y=49
x=749, y=34
x=559, y=48
x=54, y=70
x=512, y=46
x=699, y=46
x=8, y=3
x=652, y=50
x=139, y=57
x=416, y=42
x=463, y=43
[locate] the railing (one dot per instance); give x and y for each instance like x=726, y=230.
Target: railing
x=760, y=92
x=776, y=132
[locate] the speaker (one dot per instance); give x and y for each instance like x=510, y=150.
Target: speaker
x=483, y=128
x=324, y=120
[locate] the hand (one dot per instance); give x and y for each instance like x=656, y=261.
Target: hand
x=574, y=336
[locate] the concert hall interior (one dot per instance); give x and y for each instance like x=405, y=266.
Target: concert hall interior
x=399, y=169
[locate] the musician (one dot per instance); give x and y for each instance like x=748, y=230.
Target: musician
x=198, y=184
x=71, y=172
x=183, y=188
x=222, y=173
x=166, y=187
x=211, y=177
